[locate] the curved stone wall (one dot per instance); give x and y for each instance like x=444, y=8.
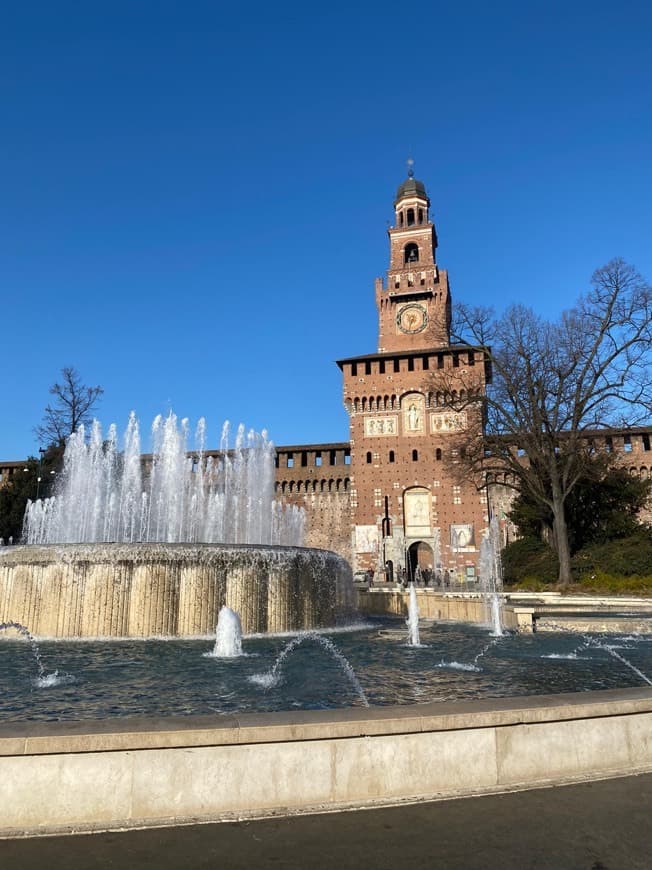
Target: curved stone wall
x=136, y=773
x=176, y=590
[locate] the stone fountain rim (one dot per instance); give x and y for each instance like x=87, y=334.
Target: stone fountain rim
x=21, y=554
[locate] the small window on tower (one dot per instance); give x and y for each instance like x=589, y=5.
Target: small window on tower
x=415, y=456
x=369, y=457
x=392, y=456
x=420, y=215
x=400, y=219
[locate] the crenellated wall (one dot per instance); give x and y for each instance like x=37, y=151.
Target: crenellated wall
x=317, y=478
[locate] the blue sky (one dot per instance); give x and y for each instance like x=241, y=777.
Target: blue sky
x=194, y=196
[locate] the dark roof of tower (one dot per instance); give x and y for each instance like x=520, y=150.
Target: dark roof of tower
x=411, y=187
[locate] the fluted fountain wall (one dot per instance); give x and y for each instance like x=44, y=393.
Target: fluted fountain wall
x=169, y=590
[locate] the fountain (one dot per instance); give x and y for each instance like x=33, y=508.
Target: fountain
x=228, y=635
x=271, y=678
x=125, y=551
x=491, y=578
x=27, y=634
x=136, y=547
x=590, y=641
x=104, y=495
x=412, y=621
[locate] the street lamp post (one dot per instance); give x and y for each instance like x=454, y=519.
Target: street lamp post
x=41, y=451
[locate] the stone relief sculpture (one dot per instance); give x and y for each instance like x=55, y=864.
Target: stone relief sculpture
x=448, y=421
x=376, y=426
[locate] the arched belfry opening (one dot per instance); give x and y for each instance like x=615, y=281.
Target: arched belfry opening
x=411, y=253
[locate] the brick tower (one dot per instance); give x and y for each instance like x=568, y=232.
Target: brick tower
x=414, y=307
x=410, y=507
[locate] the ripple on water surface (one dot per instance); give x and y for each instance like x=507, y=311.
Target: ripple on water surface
x=91, y=680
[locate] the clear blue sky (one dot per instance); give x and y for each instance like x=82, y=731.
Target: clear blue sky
x=194, y=196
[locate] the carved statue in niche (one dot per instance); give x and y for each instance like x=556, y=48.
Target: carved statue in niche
x=414, y=406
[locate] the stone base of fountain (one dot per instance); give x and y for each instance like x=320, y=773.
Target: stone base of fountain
x=199, y=768
x=175, y=590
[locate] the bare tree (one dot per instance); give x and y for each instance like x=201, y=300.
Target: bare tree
x=73, y=406
x=554, y=388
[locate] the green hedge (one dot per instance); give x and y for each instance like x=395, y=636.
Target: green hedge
x=619, y=566
x=625, y=557
x=529, y=561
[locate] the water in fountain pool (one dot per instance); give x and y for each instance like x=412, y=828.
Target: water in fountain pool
x=174, y=677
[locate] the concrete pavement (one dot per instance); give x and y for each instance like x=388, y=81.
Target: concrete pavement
x=602, y=825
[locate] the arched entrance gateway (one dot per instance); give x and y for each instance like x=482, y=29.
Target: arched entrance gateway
x=421, y=562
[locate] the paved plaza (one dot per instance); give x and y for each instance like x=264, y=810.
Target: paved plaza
x=601, y=825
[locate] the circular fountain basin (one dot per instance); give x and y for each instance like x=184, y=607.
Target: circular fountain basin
x=169, y=590
x=374, y=663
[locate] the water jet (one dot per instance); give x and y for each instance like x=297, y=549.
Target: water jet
x=228, y=635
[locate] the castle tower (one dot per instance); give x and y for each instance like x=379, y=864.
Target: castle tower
x=409, y=506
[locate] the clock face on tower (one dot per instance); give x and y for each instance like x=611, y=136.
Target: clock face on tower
x=411, y=318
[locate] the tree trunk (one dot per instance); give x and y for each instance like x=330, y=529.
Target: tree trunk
x=560, y=535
